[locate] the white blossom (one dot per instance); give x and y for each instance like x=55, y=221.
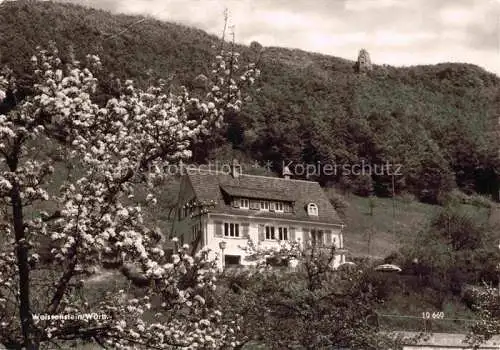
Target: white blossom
x=93, y=214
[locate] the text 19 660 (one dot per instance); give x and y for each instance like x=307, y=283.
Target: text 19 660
x=433, y=315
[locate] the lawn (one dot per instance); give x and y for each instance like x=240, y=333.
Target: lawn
x=391, y=222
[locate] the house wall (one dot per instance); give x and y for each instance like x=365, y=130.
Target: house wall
x=234, y=245
x=183, y=228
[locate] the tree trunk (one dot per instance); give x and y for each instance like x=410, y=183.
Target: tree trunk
x=22, y=251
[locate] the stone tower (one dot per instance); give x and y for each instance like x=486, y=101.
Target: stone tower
x=364, y=63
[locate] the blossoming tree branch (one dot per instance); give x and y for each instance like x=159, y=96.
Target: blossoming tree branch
x=117, y=147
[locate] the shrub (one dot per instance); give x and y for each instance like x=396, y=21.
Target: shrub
x=407, y=197
x=394, y=258
x=338, y=202
x=456, y=196
x=362, y=185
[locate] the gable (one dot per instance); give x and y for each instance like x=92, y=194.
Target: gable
x=186, y=191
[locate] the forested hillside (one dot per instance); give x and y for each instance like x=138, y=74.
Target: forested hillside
x=437, y=121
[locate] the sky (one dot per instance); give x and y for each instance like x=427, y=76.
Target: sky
x=395, y=32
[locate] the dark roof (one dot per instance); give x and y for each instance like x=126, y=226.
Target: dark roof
x=211, y=185
x=257, y=193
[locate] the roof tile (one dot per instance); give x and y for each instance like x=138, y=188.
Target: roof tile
x=208, y=184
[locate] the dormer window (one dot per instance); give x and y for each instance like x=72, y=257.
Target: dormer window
x=244, y=203
x=279, y=206
x=264, y=205
x=312, y=209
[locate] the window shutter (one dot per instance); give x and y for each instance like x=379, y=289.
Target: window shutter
x=236, y=202
x=328, y=237
x=262, y=233
x=218, y=228
x=291, y=230
x=307, y=234
x=245, y=230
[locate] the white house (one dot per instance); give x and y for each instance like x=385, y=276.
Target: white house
x=217, y=207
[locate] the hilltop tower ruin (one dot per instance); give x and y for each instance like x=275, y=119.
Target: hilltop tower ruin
x=364, y=63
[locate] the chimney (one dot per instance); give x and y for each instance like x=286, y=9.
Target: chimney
x=287, y=173
x=235, y=169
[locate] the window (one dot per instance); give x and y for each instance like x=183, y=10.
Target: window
x=231, y=229
x=196, y=229
x=187, y=209
x=255, y=205
x=270, y=232
x=317, y=237
x=279, y=206
x=244, y=203
x=312, y=209
x=264, y=205
x=232, y=260
x=283, y=233
x=287, y=208
x=276, y=261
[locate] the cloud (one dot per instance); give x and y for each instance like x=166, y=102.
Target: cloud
x=367, y=5
x=456, y=16
x=338, y=40
x=386, y=38
x=285, y=20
